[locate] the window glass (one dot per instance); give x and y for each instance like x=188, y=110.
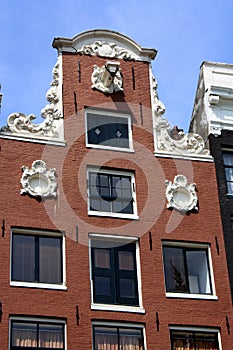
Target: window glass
x=36, y=335
x=107, y=130
x=194, y=340
x=37, y=259
x=186, y=270
x=228, y=165
x=117, y=338
x=111, y=193
x=114, y=274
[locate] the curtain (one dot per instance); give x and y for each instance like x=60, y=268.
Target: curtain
x=179, y=344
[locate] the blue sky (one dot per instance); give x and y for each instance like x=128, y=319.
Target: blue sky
x=185, y=33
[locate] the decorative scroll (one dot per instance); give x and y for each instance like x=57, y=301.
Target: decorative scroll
x=38, y=181
x=19, y=123
x=180, y=195
x=106, y=49
x=173, y=140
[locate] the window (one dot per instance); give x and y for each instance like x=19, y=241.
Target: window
x=114, y=272
x=198, y=340
x=187, y=269
x=107, y=129
x=117, y=338
x=37, y=258
x=228, y=165
x=111, y=193
x=36, y=335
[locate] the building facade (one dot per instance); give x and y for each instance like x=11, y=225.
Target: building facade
x=110, y=238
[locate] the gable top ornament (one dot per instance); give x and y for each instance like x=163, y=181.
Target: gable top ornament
x=174, y=142
x=104, y=43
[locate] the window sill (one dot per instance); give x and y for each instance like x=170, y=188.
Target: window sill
x=109, y=148
x=38, y=285
x=113, y=215
x=192, y=296
x=120, y=308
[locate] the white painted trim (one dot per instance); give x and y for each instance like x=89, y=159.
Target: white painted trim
x=191, y=296
x=31, y=139
x=198, y=157
x=110, y=113
x=112, y=214
x=39, y=232
x=113, y=307
x=186, y=244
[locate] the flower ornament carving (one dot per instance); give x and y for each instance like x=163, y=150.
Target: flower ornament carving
x=39, y=181
x=181, y=195
x=105, y=49
x=19, y=123
x=105, y=81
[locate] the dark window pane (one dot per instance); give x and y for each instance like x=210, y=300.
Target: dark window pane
x=51, y=336
x=24, y=335
x=107, y=130
x=127, y=288
x=130, y=339
x=102, y=285
x=194, y=340
x=102, y=258
x=23, y=258
x=174, y=270
x=105, y=338
x=228, y=159
x=50, y=264
x=126, y=260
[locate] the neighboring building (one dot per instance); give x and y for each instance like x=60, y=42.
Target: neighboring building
x=111, y=226
x=213, y=119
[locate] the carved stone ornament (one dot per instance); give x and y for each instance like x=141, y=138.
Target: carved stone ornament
x=173, y=140
x=106, y=49
x=180, y=195
x=38, y=181
x=107, y=78
x=19, y=123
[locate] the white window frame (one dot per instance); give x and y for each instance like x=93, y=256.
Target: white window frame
x=197, y=329
x=34, y=232
x=187, y=244
x=113, y=214
x=110, y=113
x=37, y=319
x=112, y=307
x=122, y=325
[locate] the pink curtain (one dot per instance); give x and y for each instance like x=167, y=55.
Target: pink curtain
x=110, y=342
x=200, y=345
x=50, y=340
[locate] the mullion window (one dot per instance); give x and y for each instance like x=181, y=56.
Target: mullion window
x=194, y=340
x=36, y=335
x=118, y=338
x=37, y=259
x=111, y=193
x=228, y=165
x=186, y=270
x=115, y=277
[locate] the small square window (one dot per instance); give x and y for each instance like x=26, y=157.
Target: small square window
x=111, y=193
x=114, y=272
x=190, y=339
x=36, y=335
x=117, y=337
x=37, y=258
x=187, y=270
x=228, y=166
x=111, y=130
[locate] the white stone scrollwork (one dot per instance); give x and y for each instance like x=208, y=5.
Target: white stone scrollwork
x=19, y=123
x=180, y=195
x=107, y=78
x=172, y=140
x=39, y=181
x=106, y=49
